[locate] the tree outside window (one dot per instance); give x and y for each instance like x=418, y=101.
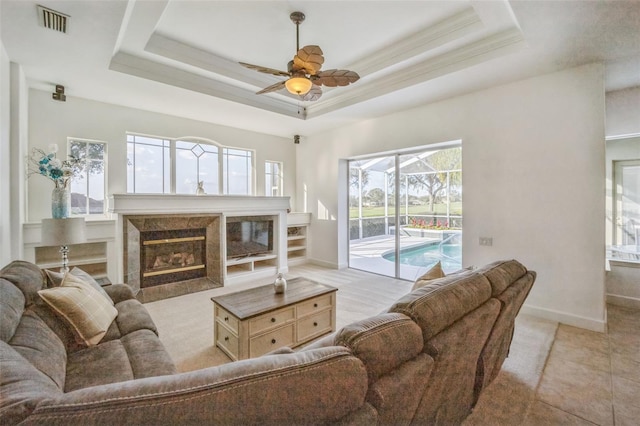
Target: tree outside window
x=88, y=192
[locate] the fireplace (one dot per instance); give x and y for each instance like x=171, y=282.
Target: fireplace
x=171, y=255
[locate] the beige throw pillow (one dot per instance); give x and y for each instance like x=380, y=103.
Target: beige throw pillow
x=433, y=273
x=84, y=308
x=55, y=278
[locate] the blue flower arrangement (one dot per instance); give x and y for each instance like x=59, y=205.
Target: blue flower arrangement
x=59, y=171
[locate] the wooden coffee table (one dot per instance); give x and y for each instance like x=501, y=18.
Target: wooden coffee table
x=253, y=322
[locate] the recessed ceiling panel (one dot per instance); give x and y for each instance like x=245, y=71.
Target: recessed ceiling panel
x=262, y=33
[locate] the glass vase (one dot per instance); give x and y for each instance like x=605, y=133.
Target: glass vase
x=280, y=284
x=60, y=203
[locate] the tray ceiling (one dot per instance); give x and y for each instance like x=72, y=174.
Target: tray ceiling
x=181, y=57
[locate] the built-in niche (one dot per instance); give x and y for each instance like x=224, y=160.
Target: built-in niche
x=250, y=244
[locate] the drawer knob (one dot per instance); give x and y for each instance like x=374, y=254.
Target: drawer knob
x=273, y=320
x=226, y=318
x=226, y=338
x=315, y=305
x=273, y=341
x=315, y=324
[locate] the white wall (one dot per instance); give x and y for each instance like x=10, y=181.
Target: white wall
x=52, y=122
x=533, y=178
x=623, y=112
x=5, y=194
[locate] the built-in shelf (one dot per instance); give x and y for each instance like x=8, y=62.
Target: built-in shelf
x=90, y=257
x=296, y=243
x=251, y=264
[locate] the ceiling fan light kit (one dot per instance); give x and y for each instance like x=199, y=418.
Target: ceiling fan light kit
x=305, y=77
x=298, y=85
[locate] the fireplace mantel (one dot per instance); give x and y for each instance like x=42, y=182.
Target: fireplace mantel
x=165, y=211
x=183, y=203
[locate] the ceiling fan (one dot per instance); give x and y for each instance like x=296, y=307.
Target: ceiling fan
x=305, y=77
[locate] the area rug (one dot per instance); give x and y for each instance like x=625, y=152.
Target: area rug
x=507, y=400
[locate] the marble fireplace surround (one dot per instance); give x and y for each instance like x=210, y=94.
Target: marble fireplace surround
x=150, y=212
x=135, y=224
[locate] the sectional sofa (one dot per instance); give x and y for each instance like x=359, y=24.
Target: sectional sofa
x=425, y=361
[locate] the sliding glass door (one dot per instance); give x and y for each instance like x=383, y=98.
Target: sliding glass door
x=405, y=212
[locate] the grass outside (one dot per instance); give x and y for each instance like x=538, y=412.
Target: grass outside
x=439, y=209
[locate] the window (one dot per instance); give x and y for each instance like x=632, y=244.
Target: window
x=627, y=202
x=87, y=193
x=273, y=178
x=167, y=166
x=196, y=163
x=148, y=165
x=237, y=167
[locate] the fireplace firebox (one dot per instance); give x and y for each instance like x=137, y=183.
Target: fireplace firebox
x=172, y=255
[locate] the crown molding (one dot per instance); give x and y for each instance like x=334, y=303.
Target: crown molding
x=439, y=34
x=150, y=70
x=490, y=47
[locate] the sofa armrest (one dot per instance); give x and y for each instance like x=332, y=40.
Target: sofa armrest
x=278, y=389
x=119, y=292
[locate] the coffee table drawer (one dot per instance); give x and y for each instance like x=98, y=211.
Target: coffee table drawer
x=273, y=340
x=270, y=320
x=227, y=340
x=314, y=305
x=314, y=325
x=226, y=318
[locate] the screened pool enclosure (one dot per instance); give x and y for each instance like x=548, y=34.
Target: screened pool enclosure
x=405, y=212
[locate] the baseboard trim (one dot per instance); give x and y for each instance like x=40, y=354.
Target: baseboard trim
x=564, y=318
x=325, y=264
x=624, y=301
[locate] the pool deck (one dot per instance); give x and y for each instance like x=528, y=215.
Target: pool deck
x=366, y=254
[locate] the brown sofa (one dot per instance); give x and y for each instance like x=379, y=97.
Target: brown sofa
x=425, y=361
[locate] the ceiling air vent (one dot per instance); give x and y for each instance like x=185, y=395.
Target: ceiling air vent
x=53, y=20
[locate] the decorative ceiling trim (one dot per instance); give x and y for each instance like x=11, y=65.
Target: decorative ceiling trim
x=449, y=29
x=496, y=45
x=150, y=70
x=173, y=49
x=238, y=84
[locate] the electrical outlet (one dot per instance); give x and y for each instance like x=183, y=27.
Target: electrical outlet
x=486, y=241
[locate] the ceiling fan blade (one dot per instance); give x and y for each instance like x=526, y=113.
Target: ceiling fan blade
x=313, y=94
x=333, y=78
x=265, y=70
x=309, y=58
x=272, y=88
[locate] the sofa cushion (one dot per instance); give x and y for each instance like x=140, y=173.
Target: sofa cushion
x=86, y=310
x=133, y=316
x=502, y=273
x=135, y=356
x=22, y=386
x=11, y=308
x=119, y=292
x=39, y=345
x=382, y=342
x=443, y=301
x=56, y=278
x=27, y=277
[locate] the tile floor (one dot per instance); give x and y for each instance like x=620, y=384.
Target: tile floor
x=592, y=378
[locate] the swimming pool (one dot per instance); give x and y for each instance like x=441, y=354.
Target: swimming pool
x=428, y=254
